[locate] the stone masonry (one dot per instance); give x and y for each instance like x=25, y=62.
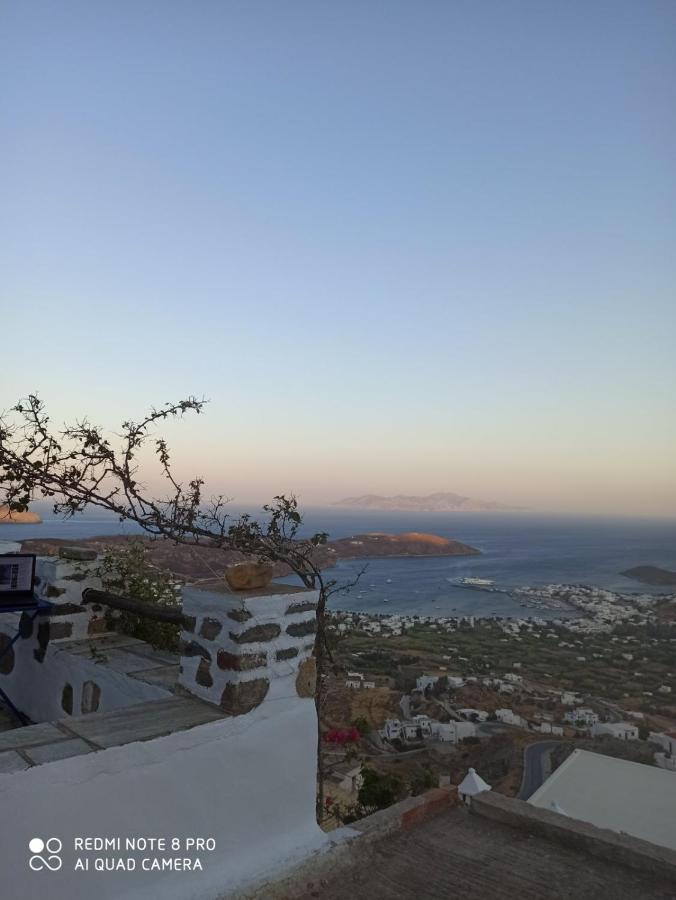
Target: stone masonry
x=240, y=648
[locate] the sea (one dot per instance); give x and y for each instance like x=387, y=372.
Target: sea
x=517, y=550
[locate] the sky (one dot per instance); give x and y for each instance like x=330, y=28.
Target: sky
x=401, y=247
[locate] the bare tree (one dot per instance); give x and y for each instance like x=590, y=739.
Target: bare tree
x=79, y=467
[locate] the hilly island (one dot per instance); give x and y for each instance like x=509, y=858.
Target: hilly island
x=193, y=562
x=439, y=502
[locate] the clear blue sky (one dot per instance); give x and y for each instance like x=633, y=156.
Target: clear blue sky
x=402, y=247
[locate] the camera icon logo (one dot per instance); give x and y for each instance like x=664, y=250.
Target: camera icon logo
x=51, y=848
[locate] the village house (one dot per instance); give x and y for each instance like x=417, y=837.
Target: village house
x=548, y=728
x=582, y=714
x=624, y=731
x=425, y=681
x=568, y=698
x=356, y=681
x=509, y=717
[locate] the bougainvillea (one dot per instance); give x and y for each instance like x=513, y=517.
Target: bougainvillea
x=341, y=736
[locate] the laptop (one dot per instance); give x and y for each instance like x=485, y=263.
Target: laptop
x=17, y=578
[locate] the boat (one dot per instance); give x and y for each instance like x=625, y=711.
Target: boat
x=479, y=584
x=388, y=581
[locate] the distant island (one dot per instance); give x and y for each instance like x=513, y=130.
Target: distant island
x=652, y=575
x=411, y=543
x=441, y=502
x=10, y=517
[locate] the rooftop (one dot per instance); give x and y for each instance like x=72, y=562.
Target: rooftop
x=460, y=854
x=613, y=793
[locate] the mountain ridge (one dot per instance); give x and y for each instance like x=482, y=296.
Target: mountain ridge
x=437, y=502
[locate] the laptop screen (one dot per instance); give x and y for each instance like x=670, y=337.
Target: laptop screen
x=16, y=573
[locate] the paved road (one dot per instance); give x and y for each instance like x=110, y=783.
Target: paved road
x=536, y=766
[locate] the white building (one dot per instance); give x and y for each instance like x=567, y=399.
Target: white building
x=666, y=740
x=425, y=681
x=581, y=714
x=568, y=698
x=445, y=732
x=410, y=731
x=392, y=729
x=480, y=715
x=548, y=728
x=613, y=793
x=424, y=723
x=463, y=730
x=355, y=681
x=622, y=730
x=509, y=717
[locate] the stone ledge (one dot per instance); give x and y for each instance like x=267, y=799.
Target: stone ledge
x=350, y=847
x=408, y=812
x=620, y=849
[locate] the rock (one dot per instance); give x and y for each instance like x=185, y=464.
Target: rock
x=192, y=648
x=306, y=680
x=300, y=607
x=248, y=576
x=241, y=697
x=239, y=615
x=12, y=517
x=210, y=629
x=240, y=662
x=300, y=629
x=203, y=675
x=259, y=633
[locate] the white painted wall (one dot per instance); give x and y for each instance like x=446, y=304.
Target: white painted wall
x=247, y=781
x=36, y=688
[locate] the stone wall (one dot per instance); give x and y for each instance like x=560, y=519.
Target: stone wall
x=243, y=647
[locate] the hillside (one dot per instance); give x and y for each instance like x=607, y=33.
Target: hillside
x=18, y=518
x=440, y=502
x=377, y=544
x=190, y=563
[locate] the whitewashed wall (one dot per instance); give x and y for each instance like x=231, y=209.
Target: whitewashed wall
x=246, y=781
x=39, y=667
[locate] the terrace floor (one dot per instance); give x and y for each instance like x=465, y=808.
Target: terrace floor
x=457, y=854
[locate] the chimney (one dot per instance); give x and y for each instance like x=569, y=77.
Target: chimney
x=244, y=646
